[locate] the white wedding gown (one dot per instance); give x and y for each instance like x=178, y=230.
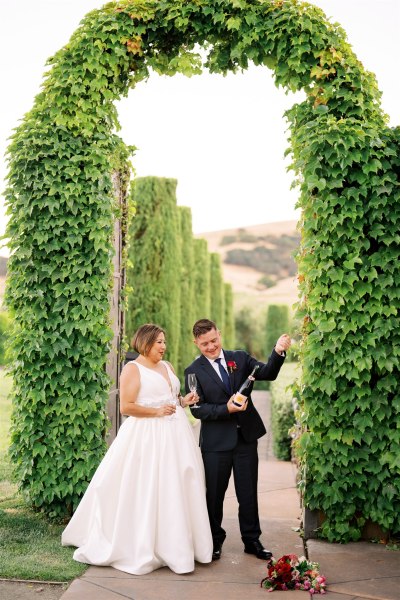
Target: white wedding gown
x=145, y=507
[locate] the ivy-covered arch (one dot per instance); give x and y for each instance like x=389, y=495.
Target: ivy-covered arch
x=61, y=207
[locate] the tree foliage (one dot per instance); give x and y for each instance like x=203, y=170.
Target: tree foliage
x=155, y=255
x=201, y=276
x=5, y=330
x=282, y=411
x=229, y=320
x=187, y=350
x=248, y=333
x=277, y=322
x=61, y=206
x=217, y=292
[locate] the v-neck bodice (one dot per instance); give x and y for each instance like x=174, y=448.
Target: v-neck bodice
x=154, y=388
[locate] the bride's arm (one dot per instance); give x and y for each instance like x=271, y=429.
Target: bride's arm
x=190, y=398
x=129, y=389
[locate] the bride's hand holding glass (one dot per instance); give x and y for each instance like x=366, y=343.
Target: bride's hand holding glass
x=166, y=410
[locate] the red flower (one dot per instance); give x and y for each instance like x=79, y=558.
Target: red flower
x=232, y=366
x=292, y=573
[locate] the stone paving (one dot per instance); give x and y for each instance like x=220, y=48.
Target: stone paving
x=236, y=575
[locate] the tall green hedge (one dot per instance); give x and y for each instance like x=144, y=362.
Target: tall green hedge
x=168, y=266
x=61, y=207
x=229, y=320
x=202, y=276
x=217, y=292
x=283, y=411
x=247, y=332
x=187, y=350
x=276, y=323
x=155, y=256
x=348, y=167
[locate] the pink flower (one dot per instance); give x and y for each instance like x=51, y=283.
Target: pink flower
x=292, y=573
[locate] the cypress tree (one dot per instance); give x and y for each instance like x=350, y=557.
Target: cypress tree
x=187, y=350
x=246, y=331
x=277, y=322
x=154, y=251
x=229, y=326
x=216, y=291
x=201, y=279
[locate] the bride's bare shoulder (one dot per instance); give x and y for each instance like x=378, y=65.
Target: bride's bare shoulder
x=131, y=369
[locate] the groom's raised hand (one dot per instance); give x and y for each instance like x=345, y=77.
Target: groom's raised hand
x=283, y=343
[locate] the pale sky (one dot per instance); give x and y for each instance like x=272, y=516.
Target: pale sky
x=222, y=138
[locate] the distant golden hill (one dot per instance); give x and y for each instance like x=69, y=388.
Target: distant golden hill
x=269, y=248
x=245, y=280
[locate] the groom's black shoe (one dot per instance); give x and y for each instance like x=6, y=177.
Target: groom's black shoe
x=217, y=549
x=258, y=550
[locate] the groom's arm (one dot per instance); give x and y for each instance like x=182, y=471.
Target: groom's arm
x=269, y=371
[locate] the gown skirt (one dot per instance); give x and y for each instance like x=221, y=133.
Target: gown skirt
x=145, y=506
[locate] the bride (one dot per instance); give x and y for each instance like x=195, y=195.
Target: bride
x=145, y=507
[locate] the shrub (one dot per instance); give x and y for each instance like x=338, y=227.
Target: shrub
x=266, y=282
x=282, y=411
x=277, y=322
x=227, y=239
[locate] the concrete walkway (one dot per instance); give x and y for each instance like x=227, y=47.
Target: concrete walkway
x=359, y=571
x=235, y=576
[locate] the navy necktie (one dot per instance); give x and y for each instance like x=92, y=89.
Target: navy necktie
x=224, y=375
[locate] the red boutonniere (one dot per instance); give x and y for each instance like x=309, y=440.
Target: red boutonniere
x=232, y=366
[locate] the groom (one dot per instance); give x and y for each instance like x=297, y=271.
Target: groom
x=229, y=434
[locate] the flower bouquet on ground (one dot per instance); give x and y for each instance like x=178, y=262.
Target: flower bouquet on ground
x=293, y=573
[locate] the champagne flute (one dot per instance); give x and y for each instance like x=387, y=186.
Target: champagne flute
x=192, y=383
x=174, y=402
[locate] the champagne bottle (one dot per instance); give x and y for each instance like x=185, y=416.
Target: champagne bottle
x=244, y=391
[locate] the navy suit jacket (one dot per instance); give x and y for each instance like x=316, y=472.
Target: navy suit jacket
x=219, y=428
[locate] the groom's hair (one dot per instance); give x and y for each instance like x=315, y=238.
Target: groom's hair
x=203, y=326
x=145, y=337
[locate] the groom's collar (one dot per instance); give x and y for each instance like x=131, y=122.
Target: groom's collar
x=212, y=360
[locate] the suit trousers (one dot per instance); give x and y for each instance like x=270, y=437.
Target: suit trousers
x=243, y=460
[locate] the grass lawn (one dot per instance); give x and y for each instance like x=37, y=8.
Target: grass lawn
x=30, y=545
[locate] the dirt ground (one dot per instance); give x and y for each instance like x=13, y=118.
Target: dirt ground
x=17, y=590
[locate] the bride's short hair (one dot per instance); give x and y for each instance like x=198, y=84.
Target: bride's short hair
x=144, y=338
